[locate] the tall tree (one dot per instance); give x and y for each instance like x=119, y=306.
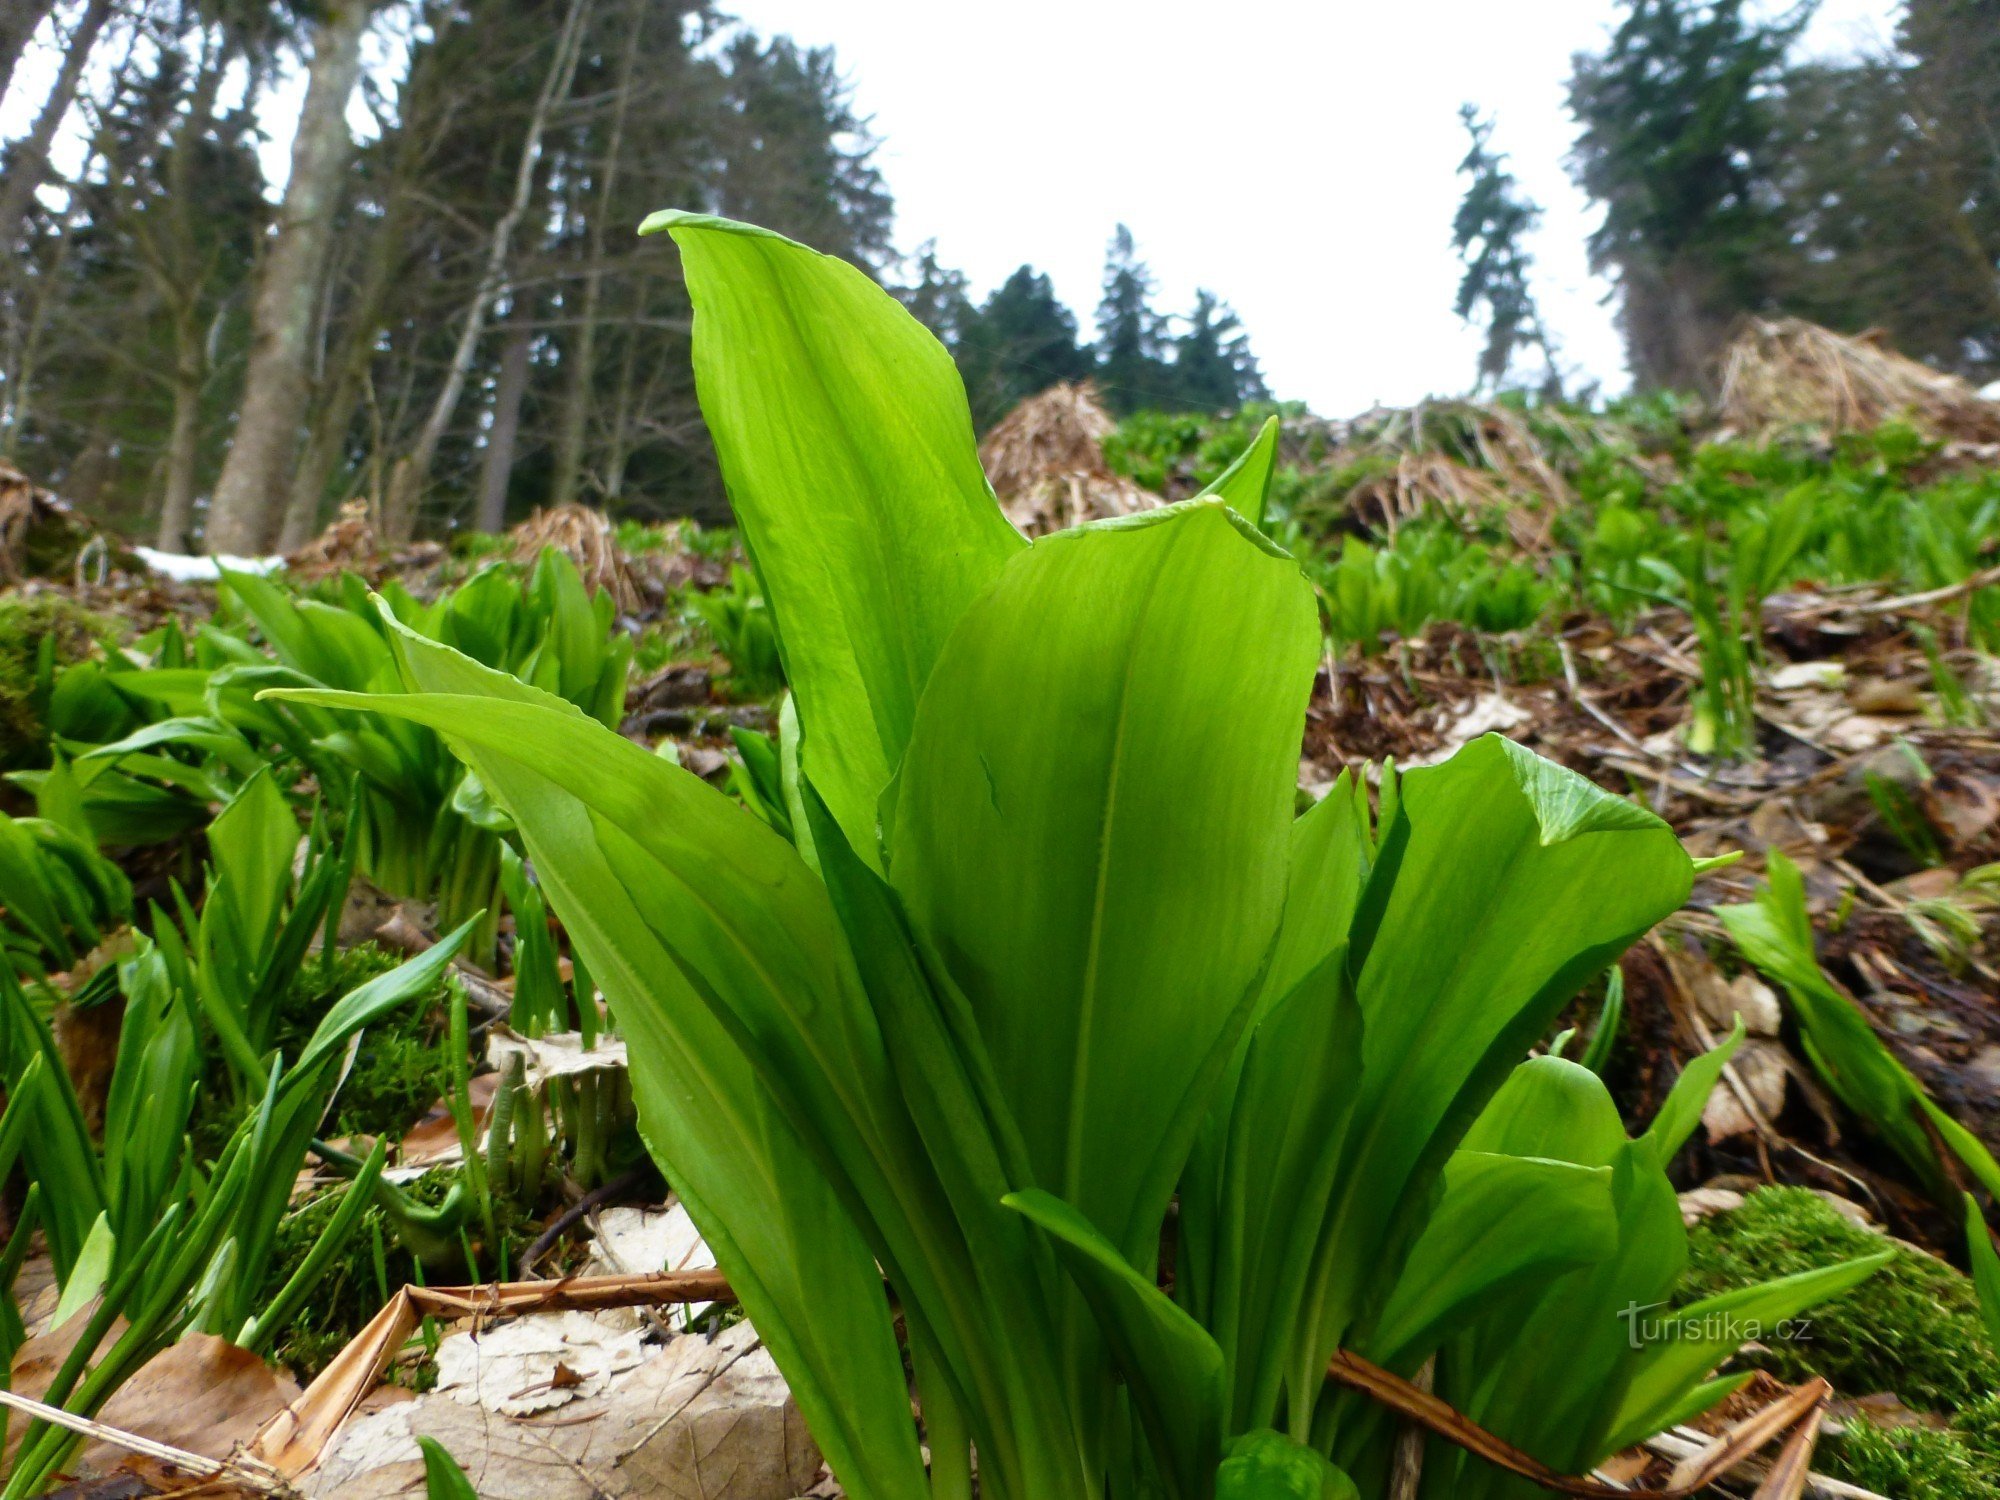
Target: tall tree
x=1678, y=135
x=1131, y=336
x=249, y=500
x=28, y=162
x=1021, y=340
x=19, y=21
x=1213, y=369
x=936, y=296
x=412, y=471
x=1490, y=235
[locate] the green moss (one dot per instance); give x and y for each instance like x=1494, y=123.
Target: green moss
x=1913, y=1328
x=1912, y=1461
x=351, y=1290
x=400, y=1069
x=38, y=633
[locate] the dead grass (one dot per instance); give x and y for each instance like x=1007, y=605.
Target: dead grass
x=1791, y=373
x=585, y=535
x=1046, y=463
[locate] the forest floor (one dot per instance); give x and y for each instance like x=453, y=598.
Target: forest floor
x=1782, y=644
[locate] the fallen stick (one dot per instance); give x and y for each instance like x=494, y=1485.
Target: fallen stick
x=245, y=1473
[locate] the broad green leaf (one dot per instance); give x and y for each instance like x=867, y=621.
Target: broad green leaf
x=847, y=448
x=1170, y=1364
x=1245, y=486
x=706, y=1110
x=1096, y=844
x=1985, y=1261
x=92, y=1269
x=1267, y=1465
x=1504, y=1222
x=251, y=843
x=1708, y=1331
x=1502, y=883
x=1550, y=1109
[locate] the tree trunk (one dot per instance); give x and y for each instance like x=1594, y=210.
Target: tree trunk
x=256, y=475
x=183, y=441
x=575, y=419
x=504, y=435
x=19, y=21
x=179, y=282
x=30, y=164
x=412, y=471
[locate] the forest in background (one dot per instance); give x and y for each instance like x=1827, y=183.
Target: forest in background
x=450, y=317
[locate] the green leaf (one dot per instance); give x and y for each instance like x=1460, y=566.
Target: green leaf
x=706, y=1110
x=1267, y=1465
x=1503, y=1223
x=847, y=447
x=1501, y=885
x=1708, y=1331
x=1985, y=1261
x=251, y=842
x=1170, y=1364
x=1682, y=1110
x=368, y=1003
x=1245, y=486
x=1775, y=933
x=443, y=1478
x=92, y=1269
x=1098, y=855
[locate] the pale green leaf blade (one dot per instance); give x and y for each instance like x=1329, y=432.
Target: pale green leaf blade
x=1245, y=486
x=1709, y=1331
x=1503, y=1223
x=1091, y=825
x=1170, y=1364
x=847, y=447
x=1985, y=1261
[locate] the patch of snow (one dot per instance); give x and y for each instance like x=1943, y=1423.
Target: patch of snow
x=185, y=568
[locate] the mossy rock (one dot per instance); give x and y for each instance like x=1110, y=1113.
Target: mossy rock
x=1961, y=1462
x=1912, y=1329
x=39, y=633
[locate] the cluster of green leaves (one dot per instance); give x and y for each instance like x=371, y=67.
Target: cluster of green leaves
x=160, y=732
x=739, y=619
x=235, y=1042
x=1775, y=933
x=1046, y=945
x=1427, y=573
x=1712, y=529
x=141, y=1227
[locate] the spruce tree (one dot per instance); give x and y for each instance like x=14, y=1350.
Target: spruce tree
x=1678, y=143
x=1131, y=336
x=1021, y=340
x=1213, y=368
x=1489, y=234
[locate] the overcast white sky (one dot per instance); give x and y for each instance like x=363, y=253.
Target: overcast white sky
x=1297, y=158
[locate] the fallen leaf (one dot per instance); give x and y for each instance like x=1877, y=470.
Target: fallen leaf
x=1759, y=1065
x=700, y=1419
